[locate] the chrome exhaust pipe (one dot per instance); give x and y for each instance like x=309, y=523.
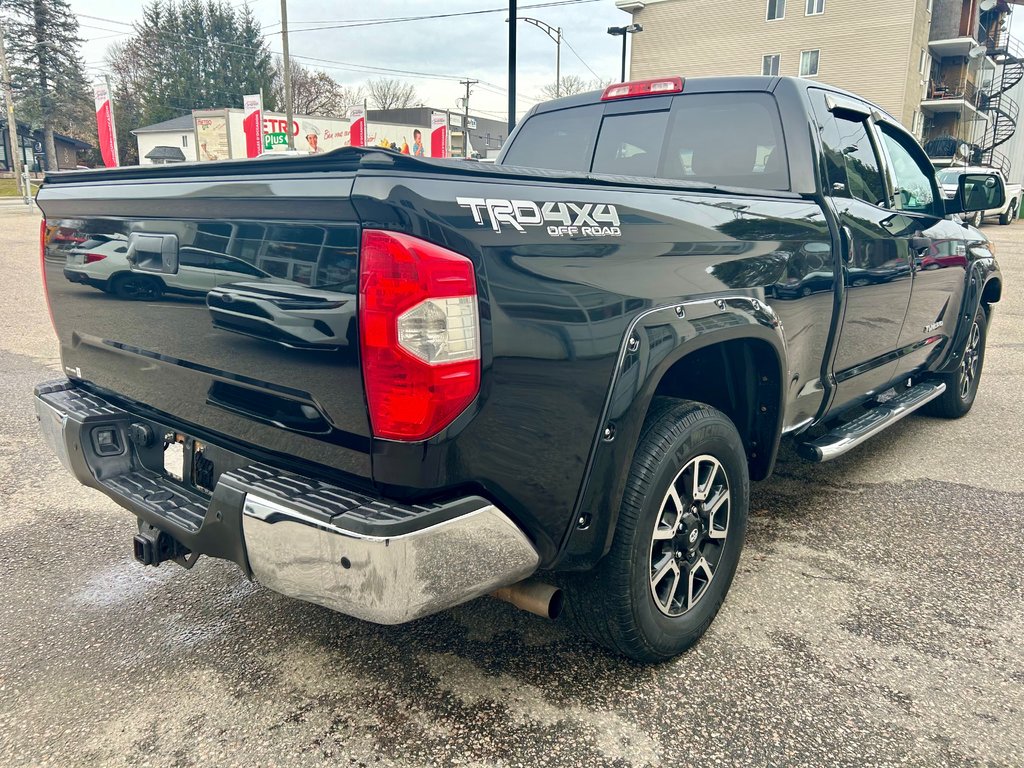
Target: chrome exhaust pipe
x=533, y=596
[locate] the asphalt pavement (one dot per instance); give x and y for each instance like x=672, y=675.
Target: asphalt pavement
x=876, y=619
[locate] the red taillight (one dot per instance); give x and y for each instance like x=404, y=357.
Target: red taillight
x=92, y=258
x=419, y=334
x=657, y=87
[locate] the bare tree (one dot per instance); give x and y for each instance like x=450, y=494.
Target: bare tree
x=313, y=92
x=352, y=96
x=385, y=93
x=572, y=84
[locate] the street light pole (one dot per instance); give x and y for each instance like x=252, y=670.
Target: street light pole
x=12, y=124
x=630, y=29
x=555, y=33
x=622, y=77
x=287, y=74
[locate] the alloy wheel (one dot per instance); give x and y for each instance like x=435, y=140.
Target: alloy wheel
x=969, y=363
x=689, y=535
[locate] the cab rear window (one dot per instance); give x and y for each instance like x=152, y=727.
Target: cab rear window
x=730, y=139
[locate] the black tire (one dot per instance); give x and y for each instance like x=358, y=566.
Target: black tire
x=134, y=287
x=1009, y=215
x=959, y=396
x=619, y=604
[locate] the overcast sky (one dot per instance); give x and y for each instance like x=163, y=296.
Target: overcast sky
x=460, y=47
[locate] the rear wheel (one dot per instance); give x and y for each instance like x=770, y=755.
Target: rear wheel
x=136, y=287
x=677, y=541
x=962, y=384
x=1010, y=214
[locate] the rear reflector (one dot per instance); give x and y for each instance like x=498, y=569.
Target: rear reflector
x=419, y=331
x=636, y=88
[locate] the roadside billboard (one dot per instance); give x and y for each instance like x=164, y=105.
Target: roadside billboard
x=221, y=134
x=212, y=141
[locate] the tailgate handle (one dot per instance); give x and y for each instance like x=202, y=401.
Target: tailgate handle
x=153, y=253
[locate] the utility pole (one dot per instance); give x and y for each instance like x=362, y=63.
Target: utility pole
x=12, y=124
x=512, y=65
x=287, y=74
x=465, y=118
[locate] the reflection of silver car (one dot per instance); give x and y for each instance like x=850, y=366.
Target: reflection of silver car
x=292, y=315
x=105, y=266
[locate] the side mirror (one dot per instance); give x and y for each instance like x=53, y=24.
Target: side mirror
x=977, y=192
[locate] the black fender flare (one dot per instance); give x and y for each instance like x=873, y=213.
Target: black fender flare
x=656, y=340
x=982, y=272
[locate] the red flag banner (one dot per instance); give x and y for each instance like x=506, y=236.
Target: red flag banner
x=105, y=125
x=438, y=134
x=357, y=127
x=252, y=125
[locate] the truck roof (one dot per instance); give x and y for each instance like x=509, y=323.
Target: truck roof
x=715, y=84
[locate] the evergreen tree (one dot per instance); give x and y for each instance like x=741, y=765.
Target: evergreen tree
x=43, y=45
x=190, y=54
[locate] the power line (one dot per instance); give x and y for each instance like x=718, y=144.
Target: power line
x=335, y=64
x=339, y=24
x=574, y=53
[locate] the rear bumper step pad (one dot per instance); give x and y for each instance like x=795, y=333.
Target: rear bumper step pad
x=372, y=558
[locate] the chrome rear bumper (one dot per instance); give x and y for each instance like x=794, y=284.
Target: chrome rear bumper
x=384, y=580
x=381, y=561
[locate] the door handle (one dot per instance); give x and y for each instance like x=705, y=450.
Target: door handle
x=846, y=246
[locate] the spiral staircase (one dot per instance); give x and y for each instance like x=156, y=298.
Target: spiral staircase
x=996, y=101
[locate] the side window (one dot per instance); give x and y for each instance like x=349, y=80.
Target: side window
x=630, y=144
x=912, y=175
x=852, y=162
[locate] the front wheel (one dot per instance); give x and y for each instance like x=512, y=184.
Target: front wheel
x=962, y=384
x=678, y=538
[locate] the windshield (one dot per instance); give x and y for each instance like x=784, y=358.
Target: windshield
x=949, y=177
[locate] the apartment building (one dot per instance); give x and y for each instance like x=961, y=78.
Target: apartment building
x=871, y=47
x=944, y=68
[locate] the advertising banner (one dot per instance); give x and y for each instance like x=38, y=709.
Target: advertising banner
x=438, y=134
x=357, y=126
x=252, y=124
x=105, y=125
x=212, y=137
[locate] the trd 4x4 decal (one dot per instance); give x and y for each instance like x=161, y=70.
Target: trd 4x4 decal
x=561, y=219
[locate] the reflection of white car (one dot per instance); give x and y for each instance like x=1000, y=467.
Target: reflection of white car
x=949, y=179
x=105, y=266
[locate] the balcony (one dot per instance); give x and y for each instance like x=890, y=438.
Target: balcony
x=962, y=98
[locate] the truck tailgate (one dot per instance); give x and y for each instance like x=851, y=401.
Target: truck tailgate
x=222, y=301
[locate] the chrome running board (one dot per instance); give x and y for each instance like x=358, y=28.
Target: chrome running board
x=850, y=434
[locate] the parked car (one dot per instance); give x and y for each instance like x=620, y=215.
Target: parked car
x=106, y=264
x=571, y=362
x=949, y=178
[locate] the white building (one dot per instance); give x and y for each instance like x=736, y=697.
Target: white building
x=171, y=141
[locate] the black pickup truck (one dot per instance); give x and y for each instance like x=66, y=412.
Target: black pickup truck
x=390, y=385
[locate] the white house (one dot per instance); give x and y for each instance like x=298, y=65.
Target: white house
x=171, y=141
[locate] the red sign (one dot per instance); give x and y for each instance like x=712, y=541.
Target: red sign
x=357, y=129
x=105, y=125
x=438, y=134
x=252, y=125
